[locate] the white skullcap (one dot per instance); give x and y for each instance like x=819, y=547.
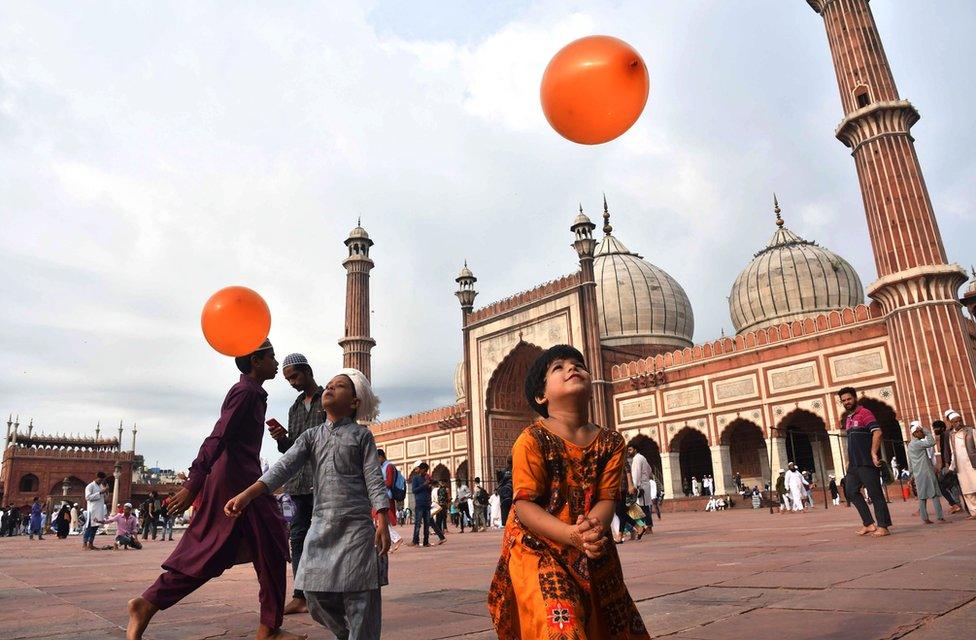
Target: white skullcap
x=128, y=504
x=782, y=470
x=916, y=426
x=369, y=404
x=952, y=414
x=417, y=463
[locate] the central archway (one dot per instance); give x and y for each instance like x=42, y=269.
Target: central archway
x=747, y=451
x=646, y=446
x=807, y=443
x=508, y=410
x=694, y=456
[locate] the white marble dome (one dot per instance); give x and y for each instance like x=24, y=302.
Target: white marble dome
x=791, y=279
x=639, y=303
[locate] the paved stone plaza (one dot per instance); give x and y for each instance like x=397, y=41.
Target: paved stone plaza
x=740, y=574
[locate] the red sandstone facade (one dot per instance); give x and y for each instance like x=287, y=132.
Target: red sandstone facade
x=745, y=404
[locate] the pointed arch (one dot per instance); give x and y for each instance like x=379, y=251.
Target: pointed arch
x=508, y=409
x=807, y=442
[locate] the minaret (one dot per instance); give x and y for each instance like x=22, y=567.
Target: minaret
x=120, y=436
x=133, y=437
x=585, y=246
x=356, y=343
x=933, y=356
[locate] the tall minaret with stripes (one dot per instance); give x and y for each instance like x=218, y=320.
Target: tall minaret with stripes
x=356, y=342
x=917, y=288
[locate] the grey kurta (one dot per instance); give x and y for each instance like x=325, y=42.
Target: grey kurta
x=347, y=483
x=926, y=483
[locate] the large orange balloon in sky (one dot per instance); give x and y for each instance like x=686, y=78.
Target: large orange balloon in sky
x=235, y=321
x=594, y=89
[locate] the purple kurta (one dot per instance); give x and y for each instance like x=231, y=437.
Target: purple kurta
x=228, y=463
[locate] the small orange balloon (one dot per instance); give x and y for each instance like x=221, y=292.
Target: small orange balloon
x=594, y=89
x=235, y=321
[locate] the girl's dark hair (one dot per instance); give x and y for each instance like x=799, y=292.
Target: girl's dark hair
x=535, y=379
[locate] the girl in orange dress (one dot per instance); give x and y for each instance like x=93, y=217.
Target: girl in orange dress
x=559, y=576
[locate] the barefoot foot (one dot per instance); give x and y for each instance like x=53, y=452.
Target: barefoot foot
x=265, y=633
x=880, y=532
x=141, y=612
x=863, y=531
x=296, y=605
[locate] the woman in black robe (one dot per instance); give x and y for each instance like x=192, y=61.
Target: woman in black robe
x=63, y=522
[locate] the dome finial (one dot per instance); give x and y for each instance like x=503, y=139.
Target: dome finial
x=359, y=220
x=777, y=210
x=607, y=229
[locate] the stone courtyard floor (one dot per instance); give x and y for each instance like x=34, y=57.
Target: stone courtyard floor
x=740, y=574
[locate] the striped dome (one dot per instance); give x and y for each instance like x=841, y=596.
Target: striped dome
x=639, y=304
x=791, y=279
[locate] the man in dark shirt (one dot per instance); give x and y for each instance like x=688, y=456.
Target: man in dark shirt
x=305, y=413
x=420, y=484
x=943, y=458
x=864, y=466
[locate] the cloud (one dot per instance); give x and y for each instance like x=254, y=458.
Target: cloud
x=151, y=156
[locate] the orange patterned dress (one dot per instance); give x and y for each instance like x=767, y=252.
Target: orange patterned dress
x=543, y=590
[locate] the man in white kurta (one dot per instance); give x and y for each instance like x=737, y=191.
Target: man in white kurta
x=795, y=485
x=95, y=496
x=640, y=474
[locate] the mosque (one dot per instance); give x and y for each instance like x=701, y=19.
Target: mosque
x=743, y=404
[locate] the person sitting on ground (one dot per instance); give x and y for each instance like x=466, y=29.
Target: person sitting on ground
x=559, y=574
x=127, y=532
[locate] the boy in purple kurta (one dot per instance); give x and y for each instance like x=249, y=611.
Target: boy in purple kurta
x=228, y=462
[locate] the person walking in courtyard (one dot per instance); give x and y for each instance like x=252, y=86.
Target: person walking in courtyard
x=62, y=522
x=463, y=495
x=345, y=560
x=926, y=483
x=559, y=575
x=228, y=461
x=642, y=476
x=74, y=517
x=796, y=484
x=942, y=459
x=421, y=485
x=964, y=459
x=864, y=468
x=781, y=492
x=305, y=413
x=36, y=527
x=834, y=493
x=395, y=490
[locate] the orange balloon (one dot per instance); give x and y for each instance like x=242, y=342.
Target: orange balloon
x=594, y=89
x=235, y=321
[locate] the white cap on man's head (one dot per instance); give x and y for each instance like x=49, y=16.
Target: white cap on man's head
x=951, y=413
x=128, y=504
x=417, y=463
x=916, y=426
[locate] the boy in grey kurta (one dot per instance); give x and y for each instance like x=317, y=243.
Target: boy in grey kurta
x=344, y=561
x=926, y=482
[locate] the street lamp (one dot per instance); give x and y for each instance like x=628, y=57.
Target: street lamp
x=65, y=486
x=115, y=492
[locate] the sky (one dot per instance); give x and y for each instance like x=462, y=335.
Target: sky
x=150, y=155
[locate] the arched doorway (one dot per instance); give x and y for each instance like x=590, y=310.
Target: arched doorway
x=441, y=473
x=694, y=456
x=807, y=443
x=747, y=451
x=893, y=437
x=649, y=449
x=76, y=490
x=461, y=473
x=29, y=483
x=508, y=410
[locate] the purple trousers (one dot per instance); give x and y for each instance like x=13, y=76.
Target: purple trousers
x=172, y=586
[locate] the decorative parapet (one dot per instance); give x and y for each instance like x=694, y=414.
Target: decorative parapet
x=444, y=417
x=723, y=347
x=532, y=295
x=68, y=454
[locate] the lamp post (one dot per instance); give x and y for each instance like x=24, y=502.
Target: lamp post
x=115, y=492
x=65, y=486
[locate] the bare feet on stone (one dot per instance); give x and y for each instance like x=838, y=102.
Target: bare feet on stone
x=880, y=532
x=296, y=605
x=265, y=633
x=141, y=612
x=863, y=531
x=927, y=521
